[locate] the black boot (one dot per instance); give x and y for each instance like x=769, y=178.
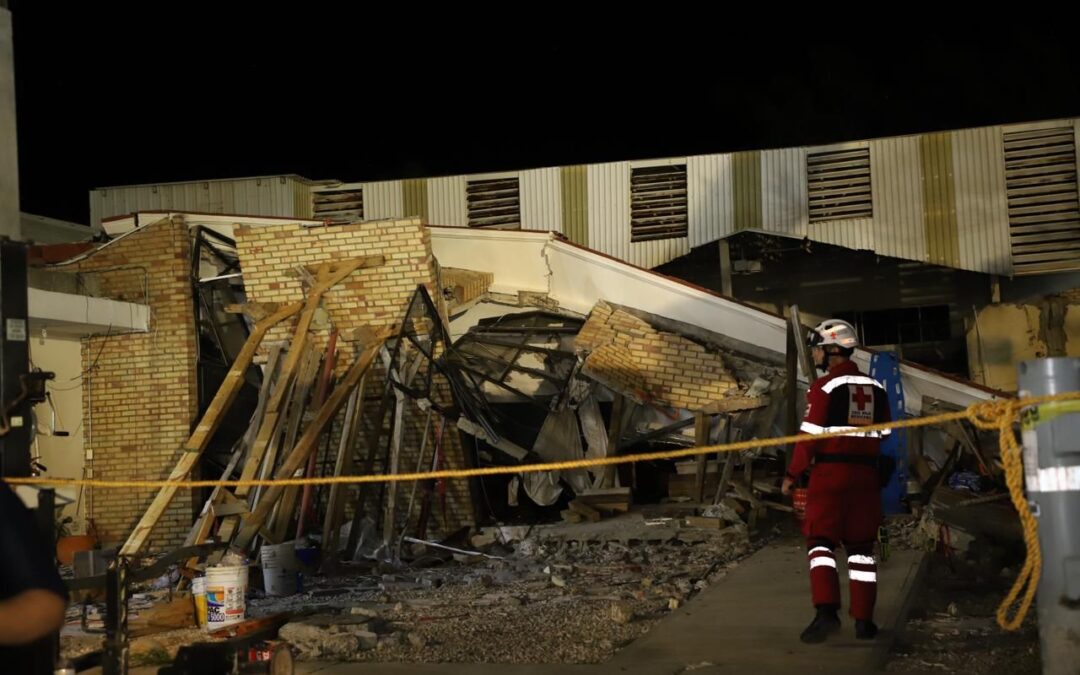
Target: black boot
x=827, y=621
x=865, y=629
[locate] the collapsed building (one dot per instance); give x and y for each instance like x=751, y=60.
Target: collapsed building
x=300, y=348
x=532, y=347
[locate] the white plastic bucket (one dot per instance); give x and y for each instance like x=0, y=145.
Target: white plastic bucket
x=198, y=592
x=225, y=590
x=280, y=568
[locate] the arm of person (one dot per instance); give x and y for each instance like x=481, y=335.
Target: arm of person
x=30, y=616
x=817, y=411
x=33, y=598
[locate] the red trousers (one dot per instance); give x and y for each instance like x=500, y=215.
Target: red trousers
x=845, y=514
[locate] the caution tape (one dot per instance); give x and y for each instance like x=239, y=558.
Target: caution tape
x=999, y=415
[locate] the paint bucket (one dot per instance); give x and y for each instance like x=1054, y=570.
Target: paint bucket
x=798, y=501
x=225, y=589
x=280, y=568
x=198, y=593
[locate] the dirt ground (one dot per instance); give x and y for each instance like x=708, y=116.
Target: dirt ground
x=952, y=628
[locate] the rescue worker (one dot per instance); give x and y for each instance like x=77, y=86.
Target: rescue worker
x=843, y=504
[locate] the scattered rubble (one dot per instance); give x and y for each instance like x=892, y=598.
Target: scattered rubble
x=953, y=629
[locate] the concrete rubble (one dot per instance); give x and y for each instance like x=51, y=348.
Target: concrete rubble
x=553, y=599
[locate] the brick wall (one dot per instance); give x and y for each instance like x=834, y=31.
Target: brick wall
x=139, y=390
x=370, y=297
x=464, y=286
x=626, y=353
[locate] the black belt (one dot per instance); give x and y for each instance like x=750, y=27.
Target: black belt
x=840, y=458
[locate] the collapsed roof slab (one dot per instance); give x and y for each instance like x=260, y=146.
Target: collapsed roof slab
x=577, y=277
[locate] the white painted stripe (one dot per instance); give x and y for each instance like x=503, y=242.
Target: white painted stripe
x=859, y=575
x=819, y=549
x=1055, y=479
x=815, y=429
x=850, y=379
x=822, y=560
x=861, y=559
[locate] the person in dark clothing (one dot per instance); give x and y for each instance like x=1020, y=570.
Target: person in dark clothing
x=33, y=598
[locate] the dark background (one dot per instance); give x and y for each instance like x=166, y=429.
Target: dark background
x=159, y=92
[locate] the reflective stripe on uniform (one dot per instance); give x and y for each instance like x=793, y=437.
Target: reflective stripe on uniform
x=850, y=379
x=861, y=559
x=815, y=429
x=823, y=561
x=860, y=575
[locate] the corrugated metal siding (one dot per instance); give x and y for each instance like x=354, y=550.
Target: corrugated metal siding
x=609, y=209
x=541, y=200
x=383, y=200
x=575, y=203
x=942, y=240
x=609, y=220
x=446, y=201
x=784, y=207
x=264, y=196
x=708, y=180
x=896, y=185
x=982, y=210
x=414, y=198
x=855, y=233
x=746, y=190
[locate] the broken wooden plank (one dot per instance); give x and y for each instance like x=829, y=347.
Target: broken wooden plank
x=325, y=281
x=291, y=421
x=305, y=446
x=343, y=466
x=585, y=511
x=735, y=404
x=172, y=614
x=329, y=362
x=209, y=423
x=569, y=516
x=705, y=523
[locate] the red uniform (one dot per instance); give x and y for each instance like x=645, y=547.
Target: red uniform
x=843, y=503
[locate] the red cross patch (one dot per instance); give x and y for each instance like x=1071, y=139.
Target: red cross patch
x=860, y=405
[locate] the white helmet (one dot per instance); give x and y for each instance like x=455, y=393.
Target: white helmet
x=834, y=332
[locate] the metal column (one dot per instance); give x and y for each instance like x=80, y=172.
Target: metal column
x=14, y=358
x=1051, y=434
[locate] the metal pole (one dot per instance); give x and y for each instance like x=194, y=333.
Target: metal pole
x=1051, y=434
x=115, y=661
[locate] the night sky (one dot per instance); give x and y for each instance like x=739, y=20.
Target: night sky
x=110, y=97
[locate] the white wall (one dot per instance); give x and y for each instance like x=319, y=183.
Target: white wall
x=64, y=456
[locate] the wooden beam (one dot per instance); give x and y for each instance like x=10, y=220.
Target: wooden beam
x=197, y=442
x=397, y=437
x=336, y=268
x=305, y=446
x=584, y=510
x=735, y=404
x=609, y=474
x=282, y=515
x=701, y=438
x=343, y=466
x=327, y=276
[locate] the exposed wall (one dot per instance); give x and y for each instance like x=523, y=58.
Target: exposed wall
x=372, y=297
x=139, y=391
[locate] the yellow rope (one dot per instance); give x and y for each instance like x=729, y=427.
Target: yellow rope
x=1000, y=415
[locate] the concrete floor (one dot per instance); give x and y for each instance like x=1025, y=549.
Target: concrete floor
x=749, y=623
